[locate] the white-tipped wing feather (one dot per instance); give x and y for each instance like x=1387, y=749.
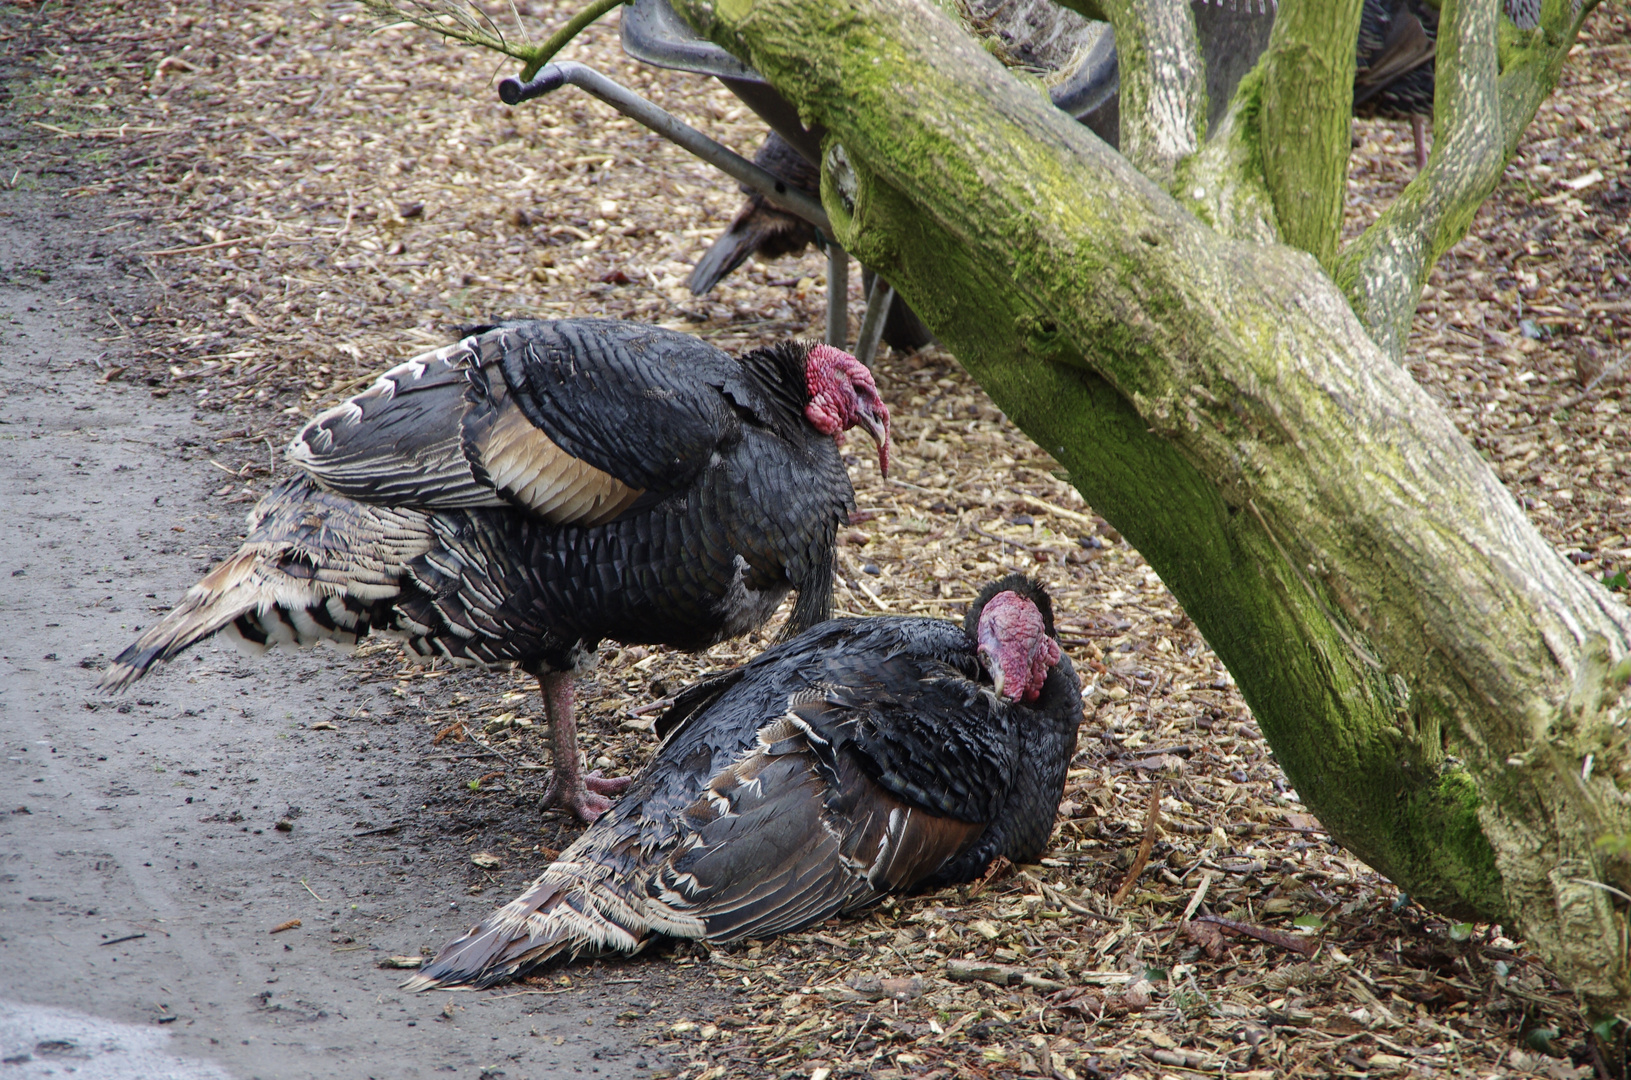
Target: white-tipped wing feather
x=443, y=431
x=784, y=836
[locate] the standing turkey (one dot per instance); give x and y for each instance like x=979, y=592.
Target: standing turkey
x=863, y=758
x=516, y=497
x=1394, y=64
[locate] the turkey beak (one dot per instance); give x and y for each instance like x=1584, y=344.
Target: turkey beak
x=874, y=416
x=992, y=668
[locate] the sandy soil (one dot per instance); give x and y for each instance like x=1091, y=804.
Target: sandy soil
x=142, y=866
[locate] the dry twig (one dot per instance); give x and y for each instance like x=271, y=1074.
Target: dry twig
x=1152, y=818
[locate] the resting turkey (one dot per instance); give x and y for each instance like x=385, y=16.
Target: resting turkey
x=516, y=497
x=862, y=758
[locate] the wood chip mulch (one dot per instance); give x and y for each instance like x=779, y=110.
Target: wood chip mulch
x=313, y=200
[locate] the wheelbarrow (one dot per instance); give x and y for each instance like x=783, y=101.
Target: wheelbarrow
x=654, y=34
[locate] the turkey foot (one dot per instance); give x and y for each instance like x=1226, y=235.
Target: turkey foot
x=569, y=788
x=606, y=785
x=589, y=801
x=585, y=802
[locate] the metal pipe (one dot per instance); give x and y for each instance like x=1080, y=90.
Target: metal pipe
x=878, y=300
x=513, y=91
x=837, y=295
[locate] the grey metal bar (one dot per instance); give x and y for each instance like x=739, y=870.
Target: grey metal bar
x=514, y=91
x=878, y=300
x=837, y=295
x=1094, y=80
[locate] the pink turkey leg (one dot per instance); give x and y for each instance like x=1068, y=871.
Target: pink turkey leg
x=568, y=787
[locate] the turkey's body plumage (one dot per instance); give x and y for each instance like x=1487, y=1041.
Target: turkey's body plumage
x=680, y=527
x=863, y=758
x=1394, y=59
x=537, y=487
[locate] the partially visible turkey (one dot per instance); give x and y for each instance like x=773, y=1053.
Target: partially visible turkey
x=518, y=496
x=759, y=227
x=865, y=757
x=763, y=230
x=1396, y=59
x=1394, y=64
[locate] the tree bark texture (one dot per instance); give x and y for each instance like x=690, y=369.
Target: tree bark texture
x=1430, y=673
x=1163, y=86
x=1307, y=99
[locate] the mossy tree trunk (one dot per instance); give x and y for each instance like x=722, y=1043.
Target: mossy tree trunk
x=1443, y=689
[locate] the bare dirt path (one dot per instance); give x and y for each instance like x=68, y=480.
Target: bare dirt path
x=141, y=863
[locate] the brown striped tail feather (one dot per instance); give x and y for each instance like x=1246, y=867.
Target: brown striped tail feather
x=573, y=909
x=314, y=567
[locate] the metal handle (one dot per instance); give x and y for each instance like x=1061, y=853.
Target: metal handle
x=513, y=91
x=878, y=299
x=670, y=127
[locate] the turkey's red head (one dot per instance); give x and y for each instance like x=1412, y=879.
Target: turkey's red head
x=1015, y=643
x=842, y=395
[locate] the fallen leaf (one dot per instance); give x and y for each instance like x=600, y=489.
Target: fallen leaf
x=1580, y=183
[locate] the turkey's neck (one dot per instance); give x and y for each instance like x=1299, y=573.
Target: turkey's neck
x=778, y=373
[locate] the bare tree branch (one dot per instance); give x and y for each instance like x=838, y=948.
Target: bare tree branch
x=1303, y=121
x=1223, y=185
x=467, y=23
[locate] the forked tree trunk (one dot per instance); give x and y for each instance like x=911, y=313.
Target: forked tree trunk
x=1442, y=688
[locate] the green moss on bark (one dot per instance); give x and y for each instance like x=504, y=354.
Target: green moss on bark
x=1307, y=97
x=1323, y=709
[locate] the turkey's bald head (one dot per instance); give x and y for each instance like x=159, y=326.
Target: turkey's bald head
x=842, y=395
x=1014, y=634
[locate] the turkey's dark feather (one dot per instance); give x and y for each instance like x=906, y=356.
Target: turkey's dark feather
x=521, y=495
x=638, y=402
x=862, y=758
x=1394, y=59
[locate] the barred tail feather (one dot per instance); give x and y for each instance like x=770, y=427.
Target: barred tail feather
x=315, y=567
x=573, y=909
x=758, y=228
x=230, y=591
